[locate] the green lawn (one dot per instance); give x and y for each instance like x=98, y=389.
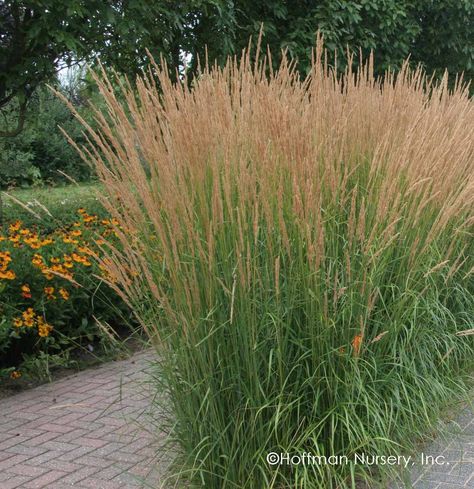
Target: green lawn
x=50, y=206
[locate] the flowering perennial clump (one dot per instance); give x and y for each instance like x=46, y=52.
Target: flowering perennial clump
x=47, y=281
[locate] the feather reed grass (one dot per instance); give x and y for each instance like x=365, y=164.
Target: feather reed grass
x=300, y=251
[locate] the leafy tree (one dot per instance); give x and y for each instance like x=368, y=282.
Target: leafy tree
x=37, y=36
x=446, y=40
x=439, y=35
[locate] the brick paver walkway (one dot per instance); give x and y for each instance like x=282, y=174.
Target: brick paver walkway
x=87, y=432
x=451, y=465
x=81, y=432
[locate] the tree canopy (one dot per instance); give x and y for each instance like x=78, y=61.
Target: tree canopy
x=439, y=35
x=37, y=36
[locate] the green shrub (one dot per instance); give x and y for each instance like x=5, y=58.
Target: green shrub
x=17, y=157
x=41, y=153
x=305, y=256
x=52, y=153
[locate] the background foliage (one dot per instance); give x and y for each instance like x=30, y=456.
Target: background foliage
x=438, y=35
x=40, y=152
x=40, y=37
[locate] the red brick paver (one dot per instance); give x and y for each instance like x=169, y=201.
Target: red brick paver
x=84, y=431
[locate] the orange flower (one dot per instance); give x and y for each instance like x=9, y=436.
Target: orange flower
x=83, y=249
x=81, y=259
x=29, y=322
x=5, y=256
x=61, y=270
x=49, y=291
x=47, y=273
x=28, y=313
x=26, y=291
x=17, y=322
x=8, y=275
x=64, y=294
x=44, y=329
x=87, y=218
x=30, y=240
x=15, y=374
x=37, y=260
x=15, y=226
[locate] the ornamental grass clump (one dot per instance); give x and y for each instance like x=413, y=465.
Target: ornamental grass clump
x=304, y=251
